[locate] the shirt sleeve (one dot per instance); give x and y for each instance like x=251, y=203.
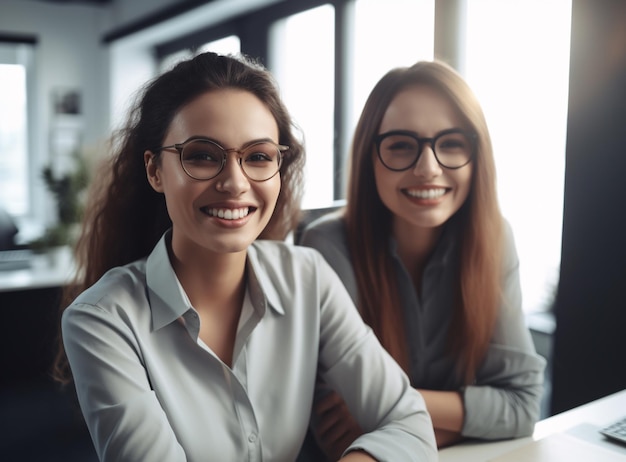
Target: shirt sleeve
x=504, y=401
x=124, y=417
x=376, y=390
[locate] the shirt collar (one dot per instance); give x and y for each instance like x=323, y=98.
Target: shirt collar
x=260, y=265
x=168, y=301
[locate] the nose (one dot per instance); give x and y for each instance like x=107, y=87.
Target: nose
x=427, y=165
x=231, y=178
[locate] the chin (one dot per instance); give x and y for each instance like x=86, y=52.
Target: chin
x=233, y=245
x=430, y=222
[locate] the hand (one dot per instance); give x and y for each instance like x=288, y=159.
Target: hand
x=446, y=438
x=334, y=427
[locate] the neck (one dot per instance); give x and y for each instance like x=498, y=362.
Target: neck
x=215, y=285
x=415, y=245
x=212, y=282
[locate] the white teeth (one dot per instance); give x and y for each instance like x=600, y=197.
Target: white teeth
x=426, y=193
x=230, y=214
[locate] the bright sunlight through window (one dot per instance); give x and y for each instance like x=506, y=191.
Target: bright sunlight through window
x=304, y=68
x=13, y=136
x=517, y=62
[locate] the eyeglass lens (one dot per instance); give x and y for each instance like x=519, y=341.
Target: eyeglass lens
x=401, y=151
x=203, y=160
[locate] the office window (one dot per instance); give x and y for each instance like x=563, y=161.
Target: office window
x=14, y=159
x=387, y=34
x=302, y=50
x=517, y=61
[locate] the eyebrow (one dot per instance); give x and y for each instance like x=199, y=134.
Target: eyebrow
x=218, y=142
x=417, y=135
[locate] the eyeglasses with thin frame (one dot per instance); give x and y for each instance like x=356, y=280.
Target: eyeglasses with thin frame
x=204, y=159
x=399, y=150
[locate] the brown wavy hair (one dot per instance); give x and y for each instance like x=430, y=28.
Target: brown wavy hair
x=124, y=216
x=368, y=224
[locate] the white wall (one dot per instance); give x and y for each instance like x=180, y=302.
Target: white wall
x=68, y=55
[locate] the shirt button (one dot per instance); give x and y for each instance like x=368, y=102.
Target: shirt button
x=252, y=437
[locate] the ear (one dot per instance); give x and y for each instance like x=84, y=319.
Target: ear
x=153, y=172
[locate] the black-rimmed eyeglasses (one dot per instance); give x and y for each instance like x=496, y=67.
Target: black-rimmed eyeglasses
x=400, y=150
x=203, y=159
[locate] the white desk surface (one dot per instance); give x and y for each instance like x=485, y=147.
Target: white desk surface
x=582, y=423
x=45, y=271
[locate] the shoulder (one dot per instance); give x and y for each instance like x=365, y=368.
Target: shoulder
x=113, y=314
x=120, y=287
x=330, y=225
x=507, y=232
x=326, y=234
x=282, y=255
x=509, y=249
x=291, y=276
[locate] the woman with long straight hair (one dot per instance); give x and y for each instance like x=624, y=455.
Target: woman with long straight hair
x=430, y=262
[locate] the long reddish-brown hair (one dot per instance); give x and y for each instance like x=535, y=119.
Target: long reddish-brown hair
x=369, y=226
x=125, y=217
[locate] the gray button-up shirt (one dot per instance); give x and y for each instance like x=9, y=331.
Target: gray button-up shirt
x=504, y=401
x=151, y=390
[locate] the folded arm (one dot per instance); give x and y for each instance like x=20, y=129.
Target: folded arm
x=392, y=416
x=447, y=412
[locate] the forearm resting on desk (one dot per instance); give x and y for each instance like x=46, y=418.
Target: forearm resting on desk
x=447, y=413
x=357, y=456
x=336, y=428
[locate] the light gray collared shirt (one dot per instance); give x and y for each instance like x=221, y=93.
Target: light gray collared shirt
x=151, y=390
x=504, y=400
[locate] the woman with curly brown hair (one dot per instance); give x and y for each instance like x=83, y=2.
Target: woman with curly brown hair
x=196, y=334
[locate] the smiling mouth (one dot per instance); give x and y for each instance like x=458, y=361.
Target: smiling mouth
x=228, y=214
x=433, y=193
